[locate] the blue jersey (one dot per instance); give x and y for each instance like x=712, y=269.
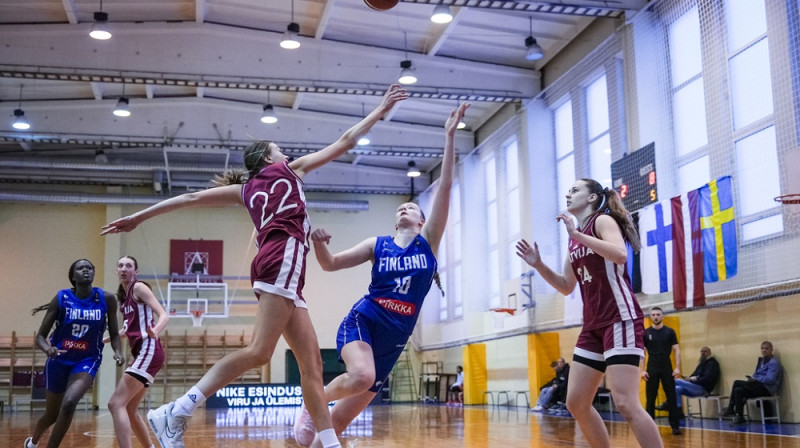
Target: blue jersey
x=80, y=325
x=401, y=278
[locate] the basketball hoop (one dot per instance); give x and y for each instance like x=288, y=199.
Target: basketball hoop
x=197, y=317
x=510, y=311
x=789, y=199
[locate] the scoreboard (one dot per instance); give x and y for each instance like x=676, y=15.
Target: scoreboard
x=634, y=178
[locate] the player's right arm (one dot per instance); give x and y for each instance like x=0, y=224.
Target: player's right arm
x=360, y=253
x=213, y=197
x=49, y=319
x=564, y=283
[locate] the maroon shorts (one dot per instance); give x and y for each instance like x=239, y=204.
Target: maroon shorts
x=620, y=338
x=149, y=359
x=280, y=268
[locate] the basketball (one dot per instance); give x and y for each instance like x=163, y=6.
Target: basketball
x=381, y=5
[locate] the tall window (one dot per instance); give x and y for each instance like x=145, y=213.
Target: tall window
x=450, y=303
x=565, y=159
x=512, y=215
x=493, y=279
x=688, y=103
x=752, y=111
x=598, y=131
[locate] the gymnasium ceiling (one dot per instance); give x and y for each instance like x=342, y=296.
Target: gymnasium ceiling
x=198, y=74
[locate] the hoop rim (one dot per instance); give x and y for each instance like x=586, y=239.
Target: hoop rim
x=510, y=311
x=792, y=198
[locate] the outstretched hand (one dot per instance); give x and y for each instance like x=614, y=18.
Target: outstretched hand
x=125, y=224
x=393, y=95
x=321, y=236
x=530, y=254
x=455, y=117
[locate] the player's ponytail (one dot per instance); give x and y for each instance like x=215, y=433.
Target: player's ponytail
x=438, y=281
x=609, y=202
x=230, y=177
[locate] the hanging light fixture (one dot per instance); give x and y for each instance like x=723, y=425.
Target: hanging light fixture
x=20, y=123
x=289, y=40
x=122, y=108
x=100, y=29
x=441, y=14
x=407, y=75
x=268, y=116
x=413, y=171
x=100, y=157
x=535, y=51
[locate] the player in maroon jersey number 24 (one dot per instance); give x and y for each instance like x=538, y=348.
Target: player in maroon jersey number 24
x=611, y=340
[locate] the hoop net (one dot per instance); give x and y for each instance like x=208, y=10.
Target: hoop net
x=197, y=317
x=789, y=199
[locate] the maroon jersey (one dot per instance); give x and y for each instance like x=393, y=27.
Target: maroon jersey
x=276, y=202
x=137, y=317
x=606, y=288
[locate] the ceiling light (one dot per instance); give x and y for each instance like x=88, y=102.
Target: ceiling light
x=535, y=52
x=413, y=171
x=122, y=109
x=290, y=41
x=441, y=14
x=100, y=157
x=363, y=141
x=269, y=117
x=407, y=75
x=20, y=123
x=100, y=27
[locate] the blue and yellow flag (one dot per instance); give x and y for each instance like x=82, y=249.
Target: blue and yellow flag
x=719, y=230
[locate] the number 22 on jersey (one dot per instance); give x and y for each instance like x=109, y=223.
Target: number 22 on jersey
x=282, y=207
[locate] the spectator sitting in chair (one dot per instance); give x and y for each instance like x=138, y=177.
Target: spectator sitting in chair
x=458, y=386
x=555, y=390
x=700, y=383
x=764, y=382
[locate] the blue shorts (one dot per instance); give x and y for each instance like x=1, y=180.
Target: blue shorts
x=57, y=371
x=387, y=343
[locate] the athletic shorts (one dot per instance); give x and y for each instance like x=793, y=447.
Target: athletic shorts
x=620, y=338
x=280, y=268
x=58, y=371
x=387, y=343
x=149, y=359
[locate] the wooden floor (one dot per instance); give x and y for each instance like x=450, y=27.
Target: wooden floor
x=417, y=426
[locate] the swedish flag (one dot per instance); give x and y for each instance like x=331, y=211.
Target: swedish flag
x=719, y=230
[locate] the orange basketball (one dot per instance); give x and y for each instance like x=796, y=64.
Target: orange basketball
x=381, y=5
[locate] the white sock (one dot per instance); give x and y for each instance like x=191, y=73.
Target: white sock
x=328, y=438
x=32, y=445
x=190, y=401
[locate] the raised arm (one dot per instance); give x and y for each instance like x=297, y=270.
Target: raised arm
x=564, y=283
x=145, y=295
x=610, y=244
x=304, y=165
x=434, y=226
x=360, y=253
x=217, y=196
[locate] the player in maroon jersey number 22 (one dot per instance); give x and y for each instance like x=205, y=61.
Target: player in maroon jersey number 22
x=611, y=340
x=272, y=193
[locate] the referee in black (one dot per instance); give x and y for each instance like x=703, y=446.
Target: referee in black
x=660, y=341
